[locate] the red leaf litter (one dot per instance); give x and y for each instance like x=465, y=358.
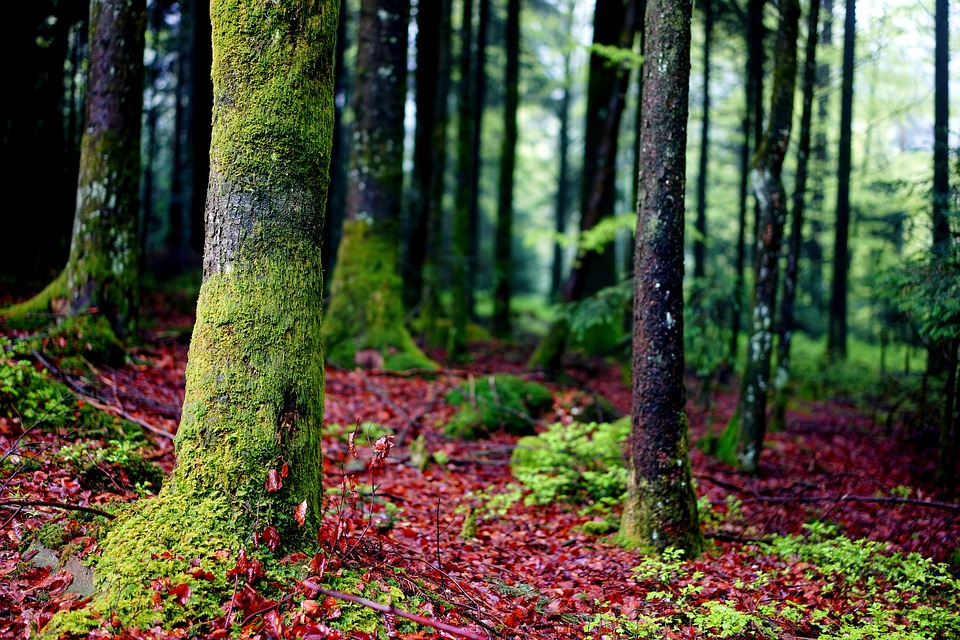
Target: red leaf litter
x=531, y=573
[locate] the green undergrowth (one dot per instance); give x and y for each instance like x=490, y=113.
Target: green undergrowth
x=848, y=589
x=578, y=463
x=491, y=403
x=30, y=397
x=115, y=466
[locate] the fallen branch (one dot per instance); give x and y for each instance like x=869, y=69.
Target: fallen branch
x=58, y=505
x=98, y=404
x=390, y=609
x=948, y=506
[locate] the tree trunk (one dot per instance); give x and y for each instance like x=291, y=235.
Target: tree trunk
x=457, y=341
x=752, y=132
x=103, y=269
x=785, y=334
x=479, y=79
x=563, y=178
x=503, y=267
x=700, y=242
x=254, y=396
x=432, y=78
x=340, y=154
x=661, y=508
x=594, y=270
x=366, y=307
x=750, y=421
x=837, y=337
x=937, y=355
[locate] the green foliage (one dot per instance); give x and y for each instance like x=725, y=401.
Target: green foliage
x=881, y=595
x=495, y=402
x=706, y=330
x=576, y=462
x=85, y=336
x=927, y=290
x=606, y=307
x=615, y=55
x=26, y=394
x=118, y=466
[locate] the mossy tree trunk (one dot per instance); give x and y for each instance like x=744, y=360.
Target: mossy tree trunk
x=749, y=424
x=366, y=308
x=661, y=507
x=254, y=396
x=503, y=266
x=791, y=272
x=102, y=272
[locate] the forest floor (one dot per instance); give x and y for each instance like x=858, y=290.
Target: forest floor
x=528, y=571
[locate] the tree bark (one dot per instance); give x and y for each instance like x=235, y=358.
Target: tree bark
x=254, y=397
x=563, y=171
x=503, y=266
x=785, y=333
x=366, y=307
x=837, y=336
x=661, y=508
x=750, y=421
x=700, y=242
x=103, y=269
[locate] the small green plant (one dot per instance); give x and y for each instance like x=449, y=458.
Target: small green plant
x=501, y=401
x=117, y=466
x=576, y=462
x=28, y=395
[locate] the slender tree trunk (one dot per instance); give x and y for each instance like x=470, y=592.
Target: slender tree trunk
x=503, y=267
x=752, y=133
x=700, y=242
x=432, y=40
x=201, y=104
x=476, y=148
x=837, y=337
x=340, y=155
x=457, y=342
x=661, y=507
x=750, y=421
x=937, y=355
x=366, y=308
x=248, y=447
x=785, y=334
x=594, y=270
x=563, y=178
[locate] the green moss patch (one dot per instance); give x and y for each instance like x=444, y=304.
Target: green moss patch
x=579, y=462
x=491, y=403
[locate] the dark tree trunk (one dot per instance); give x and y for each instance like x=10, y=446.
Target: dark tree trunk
x=340, y=154
x=938, y=357
x=661, y=507
x=837, y=337
x=563, y=178
x=593, y=270
x=819, y=166
x=366, y=307
x=786, y=321
x=479, y=99
x=201, y=105
x=432, y=79
x=700, y=242
x=750, y=421
x=253, y=406
x=752, y=133
x=503, y=265
x=457, y=341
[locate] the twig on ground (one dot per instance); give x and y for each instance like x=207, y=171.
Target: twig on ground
x=384, y=608
x=57, y=505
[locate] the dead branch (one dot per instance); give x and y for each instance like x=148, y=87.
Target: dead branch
x=57, y=505
x=390, y=609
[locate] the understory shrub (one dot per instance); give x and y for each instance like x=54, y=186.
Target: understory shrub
x=501, y=401
x=579, y=462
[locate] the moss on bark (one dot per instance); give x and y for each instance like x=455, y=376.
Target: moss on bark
x=366, y=311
